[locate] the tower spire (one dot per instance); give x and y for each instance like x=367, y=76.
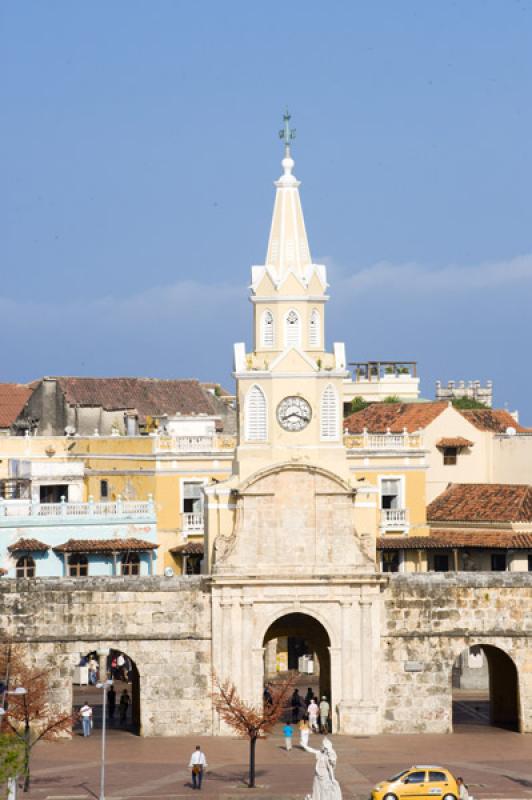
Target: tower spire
x=287, y=134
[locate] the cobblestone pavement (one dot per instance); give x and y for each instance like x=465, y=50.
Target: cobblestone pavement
x=495, y=764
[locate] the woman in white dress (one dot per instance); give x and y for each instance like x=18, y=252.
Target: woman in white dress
x=304, y=733
x=325, y=785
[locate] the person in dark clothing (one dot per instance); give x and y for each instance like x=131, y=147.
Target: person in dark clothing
x=295, y=703
x=124, y=705
x=111, y=701
x=267, y=696
x=308, y=697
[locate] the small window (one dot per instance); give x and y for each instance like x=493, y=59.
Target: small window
x=267, y=329
x=329, y=415
x=131, y=564
x=292, y=335
x=450, y=456
x=104, y=490
x=25, y=567
x=441, y=562
x=314, y=329
x=498, y=562
x=415, y=777
x=78, y=565
x=437, y=777
x=255, y=415
x=390, y=560
x=53, y=493
x=390, y=493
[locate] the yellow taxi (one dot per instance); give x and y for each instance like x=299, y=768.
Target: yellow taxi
x=423, y=781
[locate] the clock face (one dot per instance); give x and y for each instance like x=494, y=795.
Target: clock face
x=294, y=413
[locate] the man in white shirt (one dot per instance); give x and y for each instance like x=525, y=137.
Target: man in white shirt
x=324, y=715
x=198, y=763
x=86, y=718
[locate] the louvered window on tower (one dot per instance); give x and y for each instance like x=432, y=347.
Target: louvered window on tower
x=314, y=332
x=329, y=414
x=267, y=329
x=255, y=410
x=292, y=337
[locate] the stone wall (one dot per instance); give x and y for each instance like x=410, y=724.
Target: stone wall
x=428, y=620
x=163, y=624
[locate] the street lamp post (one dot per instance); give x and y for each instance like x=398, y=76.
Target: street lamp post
x=103, y=685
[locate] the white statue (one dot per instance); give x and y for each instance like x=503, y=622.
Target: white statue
x=325, y=785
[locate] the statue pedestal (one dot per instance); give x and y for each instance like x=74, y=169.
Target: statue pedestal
x=358, y=718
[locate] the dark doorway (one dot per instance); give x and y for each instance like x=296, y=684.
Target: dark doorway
x=485, y=689
x=53, y=494
x=299, y=642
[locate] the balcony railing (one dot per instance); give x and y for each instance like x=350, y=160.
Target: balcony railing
x=193, y=444
x=383, y=441
x=22, y=509
x=394, y=518
x=192, y=521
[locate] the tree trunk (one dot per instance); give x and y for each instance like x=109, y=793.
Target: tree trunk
x=252, y=743
x=26, y=768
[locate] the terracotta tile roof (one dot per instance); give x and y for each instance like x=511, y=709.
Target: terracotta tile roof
x=28, y=546
x=13, y=398
x=378, y=417
x=104, y=545
x=496, y=420
x=448, y=540
x=454, y=441
x=147, y=396
x=482, y=502
x=188, y=549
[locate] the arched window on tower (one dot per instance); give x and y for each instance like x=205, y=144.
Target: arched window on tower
x=314, y=334
x=255, y=415
x=267, y=335
x=292, y=336
x=25, y=567
x=329, y=414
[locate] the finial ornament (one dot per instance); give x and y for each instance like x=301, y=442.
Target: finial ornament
x=287, y=134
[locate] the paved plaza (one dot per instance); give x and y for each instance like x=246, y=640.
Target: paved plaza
x=495, y=763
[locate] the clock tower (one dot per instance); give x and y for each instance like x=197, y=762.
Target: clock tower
x=289, y=387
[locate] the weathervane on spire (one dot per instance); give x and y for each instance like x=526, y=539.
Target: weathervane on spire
x=287, y=134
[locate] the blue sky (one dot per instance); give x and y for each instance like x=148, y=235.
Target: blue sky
x=138, y=145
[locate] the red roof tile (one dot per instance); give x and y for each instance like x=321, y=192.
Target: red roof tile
x=104, y=545
x=448, y=540
x=482, y=502
x=496, y=420
x=147, y=396
x=28, y=546
x=379, y=417
x=13, y=398
x=188, y=549
x=454, y=441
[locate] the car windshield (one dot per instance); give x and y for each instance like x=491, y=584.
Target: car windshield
x=399, y=775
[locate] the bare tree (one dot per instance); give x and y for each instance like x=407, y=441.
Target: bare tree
x=28, y=716
x=251, y=721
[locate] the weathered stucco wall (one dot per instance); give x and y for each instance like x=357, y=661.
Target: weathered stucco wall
x=163, y=624
x=428, y=620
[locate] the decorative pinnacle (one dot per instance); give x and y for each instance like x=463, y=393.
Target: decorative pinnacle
x=287, y=134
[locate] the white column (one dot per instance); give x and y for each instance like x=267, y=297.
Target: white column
x=246, y=655
x=366, y=650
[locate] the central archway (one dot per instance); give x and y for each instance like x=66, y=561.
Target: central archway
x=299, y=642
x=485, y=689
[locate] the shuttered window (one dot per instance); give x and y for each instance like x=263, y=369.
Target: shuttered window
x=314, y=328
x=255, y=411
x=292, y=329
x=267, y=329
x=329, y=414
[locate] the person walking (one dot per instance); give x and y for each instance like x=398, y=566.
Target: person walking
x=463, y=793
x=304, y=733
x=198, y=763
x=86, y=718
x=287, y=733
x=309, y=696
x=324, y=715
x=124, y=705
x=313, y=712
x=111, y=701
x=93, y=671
